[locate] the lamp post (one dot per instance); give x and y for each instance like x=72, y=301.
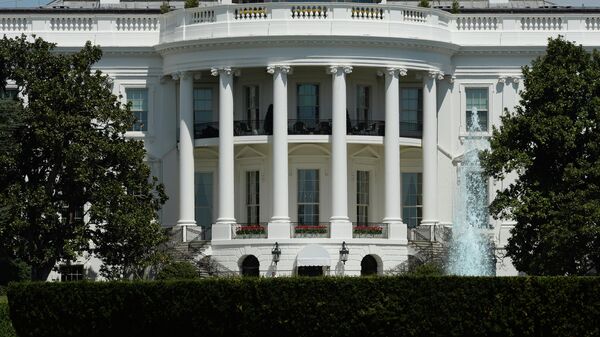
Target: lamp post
x=344, y=253
x=276, y=251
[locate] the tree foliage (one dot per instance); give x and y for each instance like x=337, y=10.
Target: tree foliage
x=424, y=3
x=455, y=8
x=70, y=181
x=551, y=142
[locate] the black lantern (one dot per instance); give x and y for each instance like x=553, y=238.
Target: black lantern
x=344, y=253
x=276, y=252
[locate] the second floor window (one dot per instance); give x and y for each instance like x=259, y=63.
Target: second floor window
x=252, y=103
x=477, y=98
x=139, y=107
x=363, y=96
x=9, y=94
x=308, y=102
x=411, y=105
x=203, y=105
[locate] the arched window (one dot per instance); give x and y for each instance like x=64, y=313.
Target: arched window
x=368, y=266
x=250, y=266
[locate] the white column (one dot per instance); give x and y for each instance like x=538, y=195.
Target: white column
x=340, y=223
x=429, y=148
x=391, y=142
x=226, y=210
x=279, y=226
x=186, y=152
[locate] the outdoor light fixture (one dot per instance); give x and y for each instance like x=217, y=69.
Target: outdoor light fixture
x=344, y=253
x=276, y=252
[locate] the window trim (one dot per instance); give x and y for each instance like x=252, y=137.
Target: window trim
x=463, y=107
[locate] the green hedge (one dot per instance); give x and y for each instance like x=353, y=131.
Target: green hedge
x=383, y=306
x=6, y=329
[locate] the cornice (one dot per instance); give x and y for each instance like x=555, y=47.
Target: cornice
x=306, y=40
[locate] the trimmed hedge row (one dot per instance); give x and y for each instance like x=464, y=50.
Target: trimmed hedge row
x=382, y=306
x=6, y=329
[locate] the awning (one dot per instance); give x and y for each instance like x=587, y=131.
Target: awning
x=313, y=255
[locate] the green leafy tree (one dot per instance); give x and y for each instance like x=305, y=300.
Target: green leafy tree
x=552, y=143
x=178, y=271
x=165, y=7
x=190, y=4
x=455, y=9
x=70, y=181
x=424, y=3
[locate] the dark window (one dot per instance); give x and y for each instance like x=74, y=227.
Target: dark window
x=308, y=197
x=252, y=197
x=139, y=107
x=362, y=197
x=412, y=199
x=310, y=271
x=477, y=98
x=308, y=103
x=71, y=272
x=250, y=266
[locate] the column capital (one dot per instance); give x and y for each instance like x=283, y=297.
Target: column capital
x=435, y=74
x=280, y=68
x=393, y=71
x=516, y=79
x=217, y=71
x=181, y=75
x=502, y=79
x=342, y=69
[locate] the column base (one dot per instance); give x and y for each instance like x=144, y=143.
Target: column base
x=279, y=229
x=341, y=228
x=397, y=230
x=222, y=230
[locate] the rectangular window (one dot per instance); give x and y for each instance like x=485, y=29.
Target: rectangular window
x=204, y=198
x=9, y=95
x=362, y=197
x=203, y=105
x=308, y=103
x=139, y=107
x=253, y=197
x=71, y=272
x=363, y=97
x=251, y=93
x=411, y=115
x=308, y=197
x=412, y=199
x=477, y=98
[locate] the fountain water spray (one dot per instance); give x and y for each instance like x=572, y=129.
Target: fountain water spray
x=470, y=250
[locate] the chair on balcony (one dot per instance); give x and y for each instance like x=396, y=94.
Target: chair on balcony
x=300, y=128
x=324, y=128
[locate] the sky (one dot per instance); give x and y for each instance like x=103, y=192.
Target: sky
x=36, y=3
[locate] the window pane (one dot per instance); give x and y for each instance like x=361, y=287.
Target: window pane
x=203, y=105
x=138, y=97
x=477, y=98
x=204, y=198
x=252, y=197
x=412, y=196
x=308, y=101
x=308, y=196
x=411, y=104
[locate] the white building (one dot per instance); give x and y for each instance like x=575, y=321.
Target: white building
x=316, y=124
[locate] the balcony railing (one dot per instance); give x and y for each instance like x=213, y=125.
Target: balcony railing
x=252, y=127
x=367, y=128
x=373, y=230
x=318, y=230
x=309, y=126
x=249, y=231
x=206, y=130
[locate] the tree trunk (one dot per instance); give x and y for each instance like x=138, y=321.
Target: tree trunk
x=41, y=272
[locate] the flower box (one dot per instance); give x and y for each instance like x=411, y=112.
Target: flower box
x=311, y=229
x=368, y=230
x=250, y=230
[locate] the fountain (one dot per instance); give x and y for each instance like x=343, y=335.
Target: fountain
x=470, y=249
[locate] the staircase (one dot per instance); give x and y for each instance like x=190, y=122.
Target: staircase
x=198, y=253
x=428, y=244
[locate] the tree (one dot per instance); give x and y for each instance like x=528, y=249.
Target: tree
x=424, y=3
x=190, y=4
x=551, y=142
x=455, y=9
x=70, y=182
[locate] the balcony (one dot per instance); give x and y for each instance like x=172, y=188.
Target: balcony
x=249, y=231
x=252, y=127
x=206, y=130
x=372, y=230
x=318, y=230
x=367, y=128
x=309, y=126
x=411, y=129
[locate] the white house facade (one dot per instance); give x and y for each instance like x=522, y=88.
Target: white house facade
x=330, y=133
